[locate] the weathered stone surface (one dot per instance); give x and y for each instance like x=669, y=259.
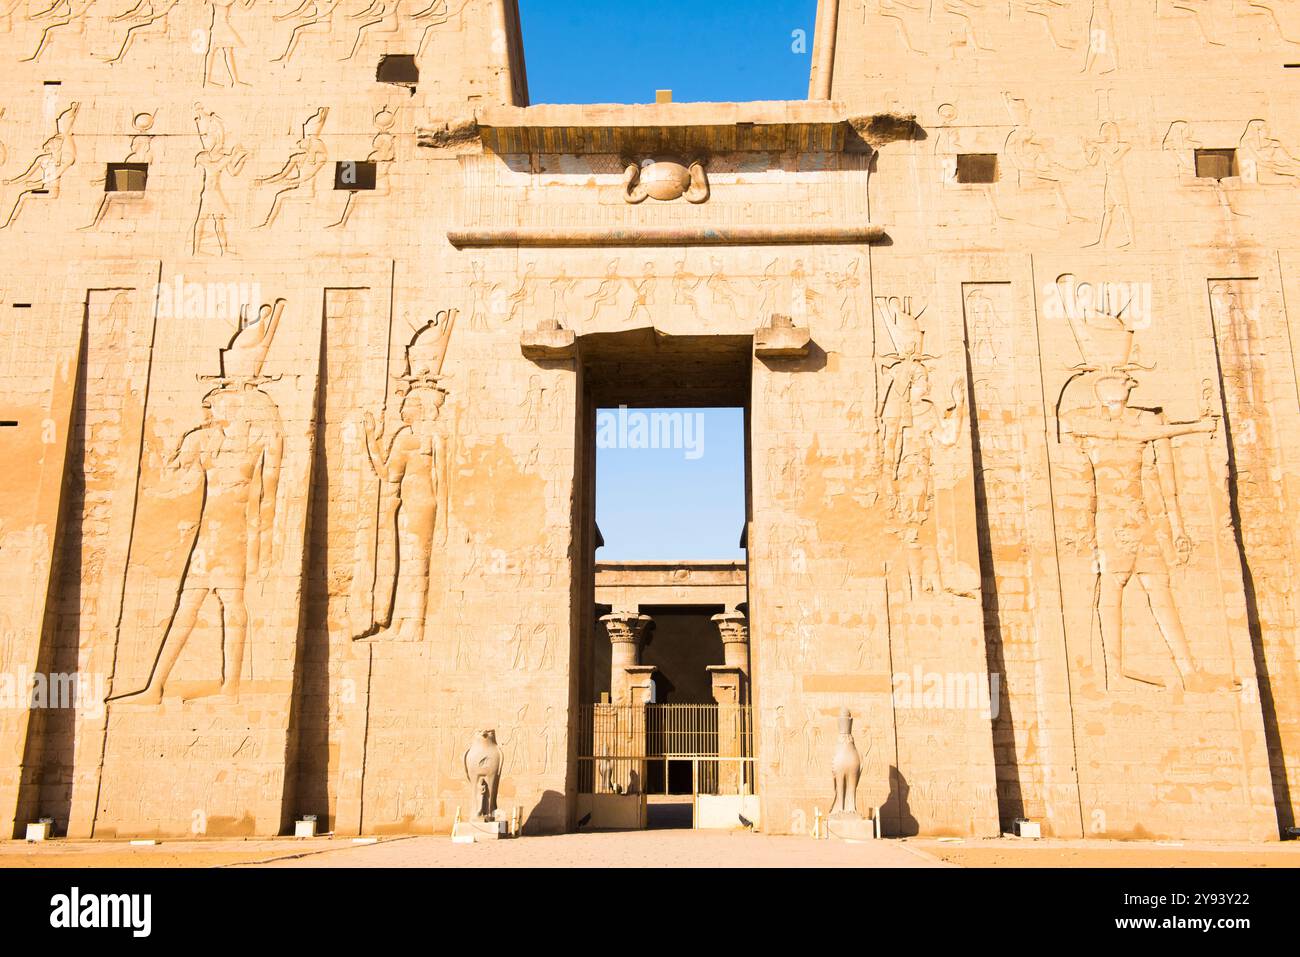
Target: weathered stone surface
x=301, y=480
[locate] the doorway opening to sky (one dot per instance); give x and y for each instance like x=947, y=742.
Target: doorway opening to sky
x=664, y=692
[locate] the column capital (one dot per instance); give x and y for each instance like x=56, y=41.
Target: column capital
x=626, y=626
x=733, y=626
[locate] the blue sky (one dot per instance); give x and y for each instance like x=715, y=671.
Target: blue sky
x=660, y=503
x=595, y=51
x=675, y=503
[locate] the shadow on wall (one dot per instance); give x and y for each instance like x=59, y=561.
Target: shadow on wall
x=548, y=816
x=897, y=816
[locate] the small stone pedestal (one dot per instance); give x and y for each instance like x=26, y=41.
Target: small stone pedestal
x=850, y=827
x=39, y=831
x=483, y=830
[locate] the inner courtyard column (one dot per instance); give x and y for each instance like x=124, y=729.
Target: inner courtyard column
x=620, y=724
x=731, y=692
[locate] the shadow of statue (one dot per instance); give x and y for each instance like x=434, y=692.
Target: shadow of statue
x=548, y=816
x=898, y=820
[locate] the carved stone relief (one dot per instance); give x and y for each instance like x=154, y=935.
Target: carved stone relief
x=235, y=453
x=411, y=464
x=1136, y=534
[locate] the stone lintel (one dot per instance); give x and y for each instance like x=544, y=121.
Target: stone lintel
x=795, y=234
x=624, y=128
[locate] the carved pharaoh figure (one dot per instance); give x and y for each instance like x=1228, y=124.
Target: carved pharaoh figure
x=300, y=169
x=904, y=13
x=69, y=15
x=236, y=450
x=1108, y=152
x=966, y=11
x=412, y=467
x=223, y=41
x=685, y=283
x=43, y=175
x=433, y=16
x=1056, y=16
x=306, y=16
x=643, y=291
x=1030, y=156
x=480, y=297
x=606, y=291
x=141, y=17
x=1121, y=445
x=216, y=159
x=381, y=16
x=1102, y=54
x=1203, y=13
x=913, y=429
x=409, y=464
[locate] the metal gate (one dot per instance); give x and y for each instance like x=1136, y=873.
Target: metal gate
x=645, y=749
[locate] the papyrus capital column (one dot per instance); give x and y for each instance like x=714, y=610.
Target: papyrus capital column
x=628, y=679
x=731, y=691
x=734, y=629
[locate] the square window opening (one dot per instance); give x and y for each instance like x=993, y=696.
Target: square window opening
x=354, y=175
x=399, y=69
x=1216, y=164
x=977, y=167
x=126, y=177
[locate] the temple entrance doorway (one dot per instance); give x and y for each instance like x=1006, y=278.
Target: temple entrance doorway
x=664, y=733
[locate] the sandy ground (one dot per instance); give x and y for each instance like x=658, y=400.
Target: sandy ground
x=627, y=849
x=646, y=849
x=1010, y=852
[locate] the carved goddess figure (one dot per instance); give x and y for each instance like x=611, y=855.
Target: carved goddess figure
x=141, y=152
x=383, y=154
